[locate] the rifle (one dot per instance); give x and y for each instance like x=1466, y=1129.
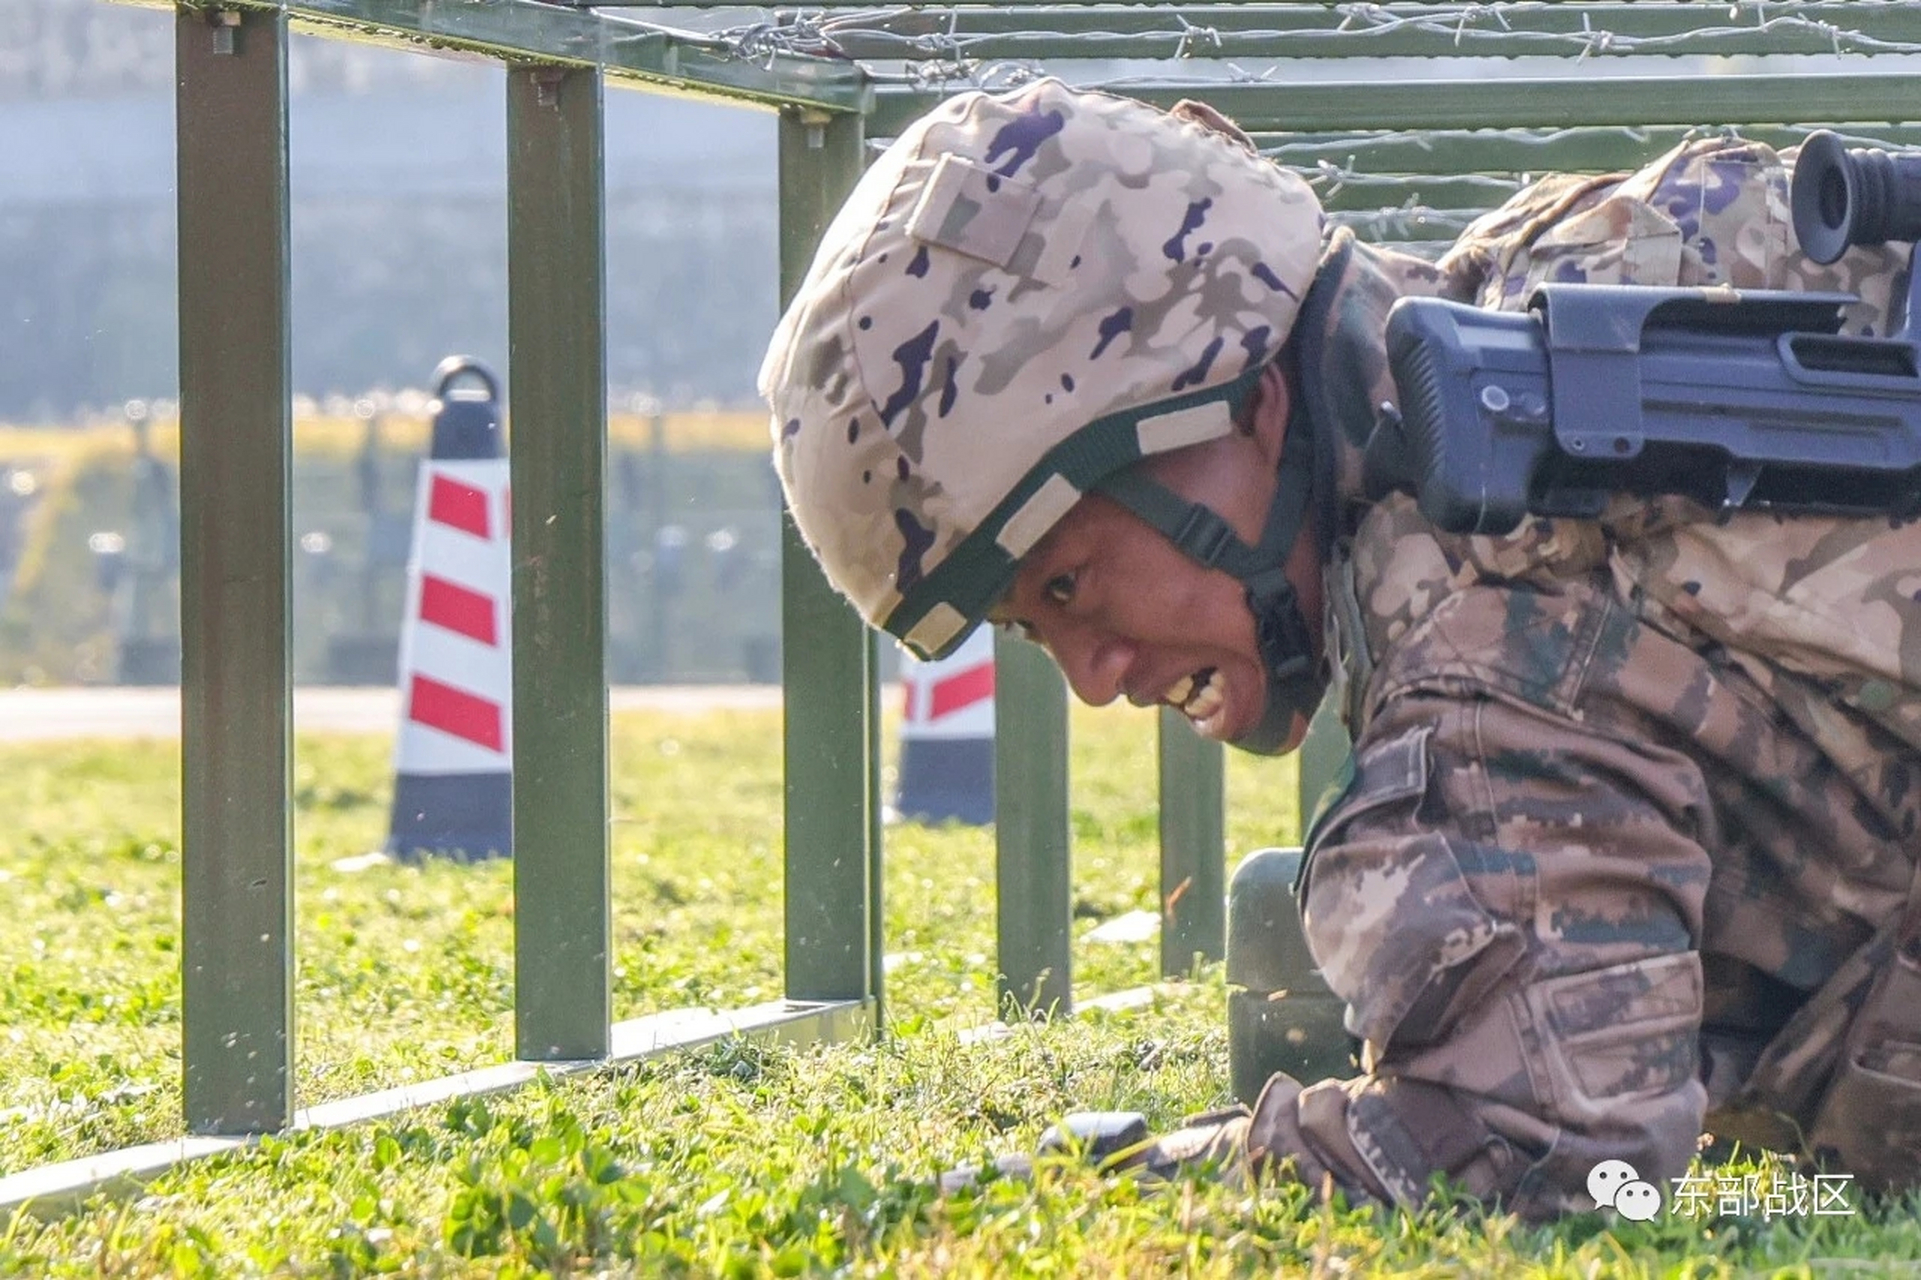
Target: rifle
x=1736, y=398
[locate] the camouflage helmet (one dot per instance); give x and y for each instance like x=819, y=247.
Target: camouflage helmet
x=1026, y=293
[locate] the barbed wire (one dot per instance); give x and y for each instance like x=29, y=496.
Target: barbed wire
x=1376, y=19
x=1408, y=224
x=931, y=49
x=1415, y=226
x=946, y=53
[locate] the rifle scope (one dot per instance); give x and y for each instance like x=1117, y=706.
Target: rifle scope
x=1844, y=196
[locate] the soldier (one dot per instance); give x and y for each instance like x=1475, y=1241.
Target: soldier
x=1629, y=847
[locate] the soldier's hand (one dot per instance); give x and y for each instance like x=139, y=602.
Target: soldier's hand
x=1119, y=1142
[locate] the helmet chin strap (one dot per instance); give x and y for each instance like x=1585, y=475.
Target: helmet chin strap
x=1294, y=683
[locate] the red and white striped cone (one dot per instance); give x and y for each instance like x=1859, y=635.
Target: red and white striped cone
x=453, y=762
x=947, y=735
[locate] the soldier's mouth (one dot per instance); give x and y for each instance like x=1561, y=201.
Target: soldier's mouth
x=1200, y=697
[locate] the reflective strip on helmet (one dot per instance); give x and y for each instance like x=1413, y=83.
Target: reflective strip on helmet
x=1167, y=431
x=941, y=627
x=1037, y=515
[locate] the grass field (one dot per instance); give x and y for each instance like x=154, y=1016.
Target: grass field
x=733, y=1160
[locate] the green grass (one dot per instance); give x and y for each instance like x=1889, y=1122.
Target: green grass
x=736, y=1159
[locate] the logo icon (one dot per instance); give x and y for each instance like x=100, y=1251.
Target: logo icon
x=1615, y=1184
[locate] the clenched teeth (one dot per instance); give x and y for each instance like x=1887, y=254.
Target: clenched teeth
x=1199, y=695
x=1207, y=701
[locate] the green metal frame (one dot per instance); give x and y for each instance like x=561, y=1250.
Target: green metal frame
x=1033, y=884
x=1430, y=151
x=54, y=1189
x=569, y=36
x=1498, y=104
x=236, y=438
x=557, y=461
x=1590, y=149
x=1299, y=29
x=1193, y=847
x=832, y=828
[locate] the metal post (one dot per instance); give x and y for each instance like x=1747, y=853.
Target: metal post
x=557, y=451
x=149, y=631
x=660, y=668
x=1193, y=847
x=876, y=868
x=236, y=436
x=1322, y=754
x=826, y=656
x=1033, y=890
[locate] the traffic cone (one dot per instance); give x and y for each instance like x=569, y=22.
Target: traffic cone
x=453, y=761
x=947, y=735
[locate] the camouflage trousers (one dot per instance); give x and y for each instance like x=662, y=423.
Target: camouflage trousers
x=1850, y=1059
x=1587, y=893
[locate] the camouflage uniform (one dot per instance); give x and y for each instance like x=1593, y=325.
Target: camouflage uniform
x=1630, y=844
x=1632, y=830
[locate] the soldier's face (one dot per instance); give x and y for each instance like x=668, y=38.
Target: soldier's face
x=1127, y=615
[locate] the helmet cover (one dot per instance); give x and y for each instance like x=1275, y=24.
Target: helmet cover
x=1024, y=293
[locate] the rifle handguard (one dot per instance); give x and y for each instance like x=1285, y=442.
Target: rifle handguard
x=1734, y=398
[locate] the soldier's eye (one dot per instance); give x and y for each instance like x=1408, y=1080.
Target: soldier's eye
x=1060, y=588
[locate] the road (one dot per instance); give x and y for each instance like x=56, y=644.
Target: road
x=39, y=715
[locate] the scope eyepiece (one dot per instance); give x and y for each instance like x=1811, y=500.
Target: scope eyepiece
x=1843, y=196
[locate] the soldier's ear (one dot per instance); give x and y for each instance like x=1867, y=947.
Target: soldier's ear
x=1265, y=419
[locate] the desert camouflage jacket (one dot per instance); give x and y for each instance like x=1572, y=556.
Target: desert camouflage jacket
x=1630, y=843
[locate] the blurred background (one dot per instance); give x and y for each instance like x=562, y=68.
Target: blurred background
x=399, y=258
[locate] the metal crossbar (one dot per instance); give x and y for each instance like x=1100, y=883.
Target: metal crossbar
x=1269, y=106
x=726, y=66
x=1102, y=29
x=61, y=1188
x=1450, y=152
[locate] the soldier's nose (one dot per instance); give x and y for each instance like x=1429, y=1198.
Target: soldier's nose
x=1095, y=664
